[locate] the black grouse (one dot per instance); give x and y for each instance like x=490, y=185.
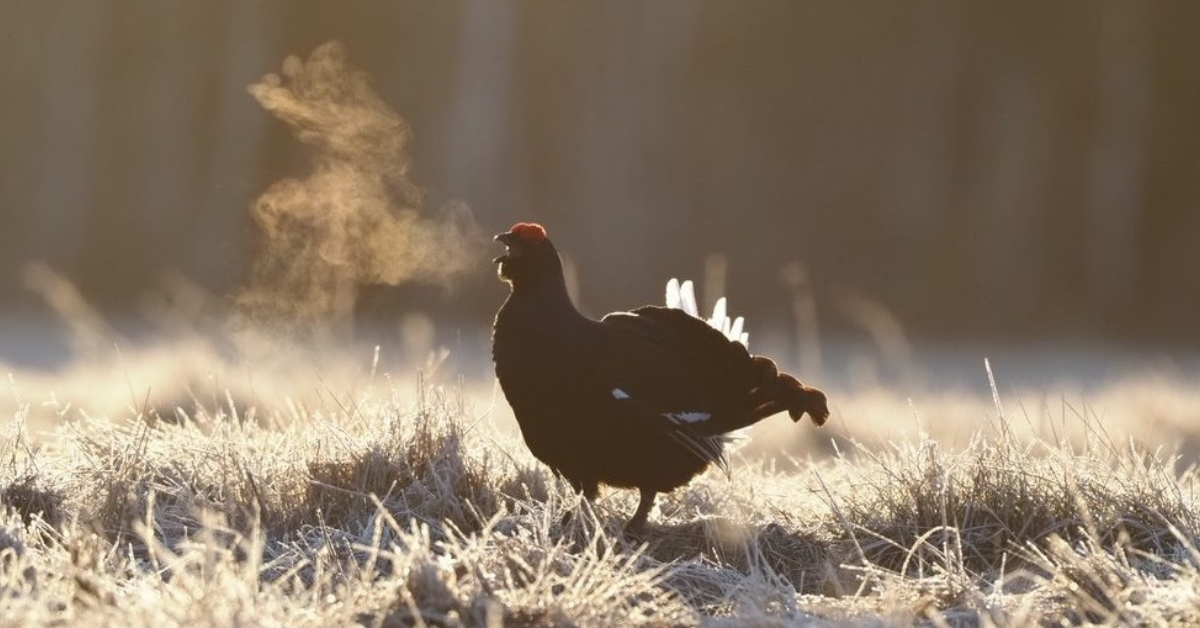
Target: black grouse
x=643, y=399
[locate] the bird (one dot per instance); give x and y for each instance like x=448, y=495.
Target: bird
x=647, y=398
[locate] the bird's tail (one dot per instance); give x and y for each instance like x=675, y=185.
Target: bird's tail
x=682, y=296
x=773, y=391
x=778, y=392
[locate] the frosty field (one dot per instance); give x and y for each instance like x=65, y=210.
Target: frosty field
x=363, y=498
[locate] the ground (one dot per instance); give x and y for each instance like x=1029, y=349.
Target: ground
x=398, y=502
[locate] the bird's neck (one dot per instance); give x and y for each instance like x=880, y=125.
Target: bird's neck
x=550, y=292
x=544, y=298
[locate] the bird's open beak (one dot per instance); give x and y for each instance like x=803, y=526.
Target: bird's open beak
x=507, y=238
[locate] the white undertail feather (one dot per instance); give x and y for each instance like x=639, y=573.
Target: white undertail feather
x=683, y=297
x=736, y=331
x=719, y=320
x=673, y=293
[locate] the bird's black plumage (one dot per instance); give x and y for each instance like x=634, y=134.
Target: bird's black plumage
x=642, y=399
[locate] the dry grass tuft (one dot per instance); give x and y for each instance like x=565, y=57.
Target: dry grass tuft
x=27, y=497
x=371, y=512
x=924, y=507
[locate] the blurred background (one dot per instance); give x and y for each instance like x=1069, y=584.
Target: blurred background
x=992, y=175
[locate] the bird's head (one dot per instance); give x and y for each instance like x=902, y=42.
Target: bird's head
x=530, y=259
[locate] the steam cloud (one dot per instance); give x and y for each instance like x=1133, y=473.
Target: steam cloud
x=356, y=219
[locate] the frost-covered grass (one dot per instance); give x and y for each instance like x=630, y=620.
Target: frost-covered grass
x=379, y=511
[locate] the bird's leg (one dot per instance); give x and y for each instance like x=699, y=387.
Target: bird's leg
x=637, y=524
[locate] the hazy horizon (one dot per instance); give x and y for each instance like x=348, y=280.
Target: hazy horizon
x=979, y=173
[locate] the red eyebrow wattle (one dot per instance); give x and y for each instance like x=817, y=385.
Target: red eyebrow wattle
x=529, y=231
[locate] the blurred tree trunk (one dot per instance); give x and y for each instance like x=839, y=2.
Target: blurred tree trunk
x=1117, y=155
x=1166, y=301
x=933, y=65
x=68, y=92
x=633, y=58
x=480, y=111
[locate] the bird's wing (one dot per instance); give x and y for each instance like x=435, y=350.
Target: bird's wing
x=676, y=372
x=678, y=426
x=676, y=362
